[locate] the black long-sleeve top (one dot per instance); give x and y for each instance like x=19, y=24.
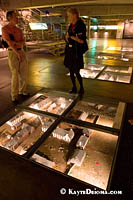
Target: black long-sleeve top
x=74, y=50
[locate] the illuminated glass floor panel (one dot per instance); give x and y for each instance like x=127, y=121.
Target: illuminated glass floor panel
x=109, y=57
x=108, y=76
x=121, y=69
x=21, y=132
x=89, y=73
x=93, y=67
x=120, y=74
x=120, y=49
x=94, y=113
x=52, y=102
x=90, y=162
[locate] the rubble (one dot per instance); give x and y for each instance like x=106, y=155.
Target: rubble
x=92, y=104
x=93, y=110
x=100, y=107
x=77, y=157
x=36, y=122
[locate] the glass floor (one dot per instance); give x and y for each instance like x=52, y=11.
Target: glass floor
x=75, y=137
x=122, y=74
x=85, y=154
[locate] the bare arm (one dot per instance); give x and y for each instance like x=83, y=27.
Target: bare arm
x=11, y=43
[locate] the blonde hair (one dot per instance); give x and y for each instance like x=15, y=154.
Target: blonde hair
x=73, y=11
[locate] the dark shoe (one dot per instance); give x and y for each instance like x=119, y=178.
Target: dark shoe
x=73, y=91
x=25, y=95
x=81, y=91
x=15, y=101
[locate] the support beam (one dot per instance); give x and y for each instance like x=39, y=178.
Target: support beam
x=105, y=10
x=13, y=4
x=25, y=4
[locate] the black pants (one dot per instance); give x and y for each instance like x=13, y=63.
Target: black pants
x=80, y=80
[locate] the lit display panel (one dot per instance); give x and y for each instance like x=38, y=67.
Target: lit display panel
x=89, y=73
x=92, y=67
x=115, y=77
x=122, y=74
x=94, y=113
x=90, y=70
x=120, y=69
x=52, y=102
x=117, y=74
x=82, y=153
x=120, y=49
x=109, y=57
x=38, y=26
x=80, y=143
x=21, y=132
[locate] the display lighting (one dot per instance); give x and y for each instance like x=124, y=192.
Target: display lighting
x=111, y=27
x=53, y=105
x=95, y=20
x=47, y=13
x=86, y=17
x=95, y=27
x=107, y=27
x=106, y=34
x=50, y=15
x=114, y=48
x=38, y=26
x=95, y=34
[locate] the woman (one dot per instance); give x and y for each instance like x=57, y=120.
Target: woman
x=75, y=48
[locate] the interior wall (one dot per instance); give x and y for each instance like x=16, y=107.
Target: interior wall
x=128, y=29
x=120, y=30
x=110, y=34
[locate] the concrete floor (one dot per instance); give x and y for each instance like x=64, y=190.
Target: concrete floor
x=45, y=70
x=48, y=71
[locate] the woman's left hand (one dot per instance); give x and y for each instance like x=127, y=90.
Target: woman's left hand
x=74, y=38
x=77, y=39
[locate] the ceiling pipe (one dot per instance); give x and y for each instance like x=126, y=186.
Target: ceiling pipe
x=26, y=4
